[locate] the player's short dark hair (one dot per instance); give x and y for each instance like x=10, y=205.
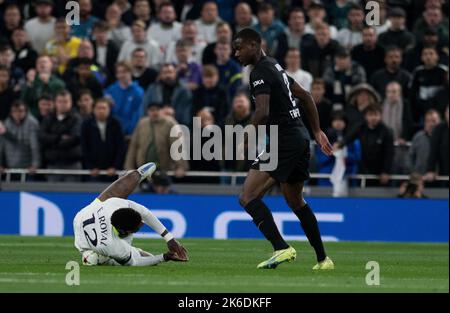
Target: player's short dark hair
x=249, y=34
x=373, y=108
x=126, y=219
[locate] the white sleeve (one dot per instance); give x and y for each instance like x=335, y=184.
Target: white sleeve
x=138, y=260
x=148, y=217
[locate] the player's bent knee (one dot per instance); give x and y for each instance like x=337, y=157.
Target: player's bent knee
x=245, y=198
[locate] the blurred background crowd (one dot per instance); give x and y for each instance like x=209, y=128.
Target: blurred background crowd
x=104, y=94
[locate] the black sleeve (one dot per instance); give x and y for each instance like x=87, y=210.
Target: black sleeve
x=261, y=81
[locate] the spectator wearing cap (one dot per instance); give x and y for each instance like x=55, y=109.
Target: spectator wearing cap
x=12, y=19
x=369, y=54
x=102, y=141
x=7, y=94
x=413, y=57
x=243, y=17
x=292, y=62
x=167, y=29
x=351, y=35
x=268, y=26
x=336, y=133
x=211, y=95
x=176, y=99
x=59, y=136
x=223, y=32
x=63, y=47
x=421, y=143
x=397, y=34
x=25, y=55
x=46, y=106
x=360, y=97
x=142, y=73
x=119, y=32
x=87, y=20
x=83, y=78
x=127, y=98
x=41, y=29
x=39, y=82
x=438, y=160
x=106, y=51
x=432, y=18
x=207, y=23
x=427, y=80
x=391, y=72
x=294, y=35
x=341, y=77
x=318, y=16
x=189, y=34
x=188, y=71
x=19, y=144
x=319, y=53
x=151, y=142
x=377, y=144
x=140, y=40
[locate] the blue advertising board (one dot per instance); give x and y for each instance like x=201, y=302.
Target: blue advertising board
x=221, y=217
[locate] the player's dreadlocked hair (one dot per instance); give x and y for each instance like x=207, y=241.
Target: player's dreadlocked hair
x=248, y=34
x=126, y=219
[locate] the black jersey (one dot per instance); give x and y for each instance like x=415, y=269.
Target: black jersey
x=268, y=77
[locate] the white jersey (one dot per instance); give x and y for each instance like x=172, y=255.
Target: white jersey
x=94, y=231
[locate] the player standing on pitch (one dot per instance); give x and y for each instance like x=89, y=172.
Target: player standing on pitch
x=105, y=227
x=273, y=92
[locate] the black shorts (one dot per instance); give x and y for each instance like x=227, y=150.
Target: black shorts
x=293, y=157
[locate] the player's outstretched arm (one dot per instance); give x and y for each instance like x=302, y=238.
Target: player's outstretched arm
x=313, y=117
x=179, y=253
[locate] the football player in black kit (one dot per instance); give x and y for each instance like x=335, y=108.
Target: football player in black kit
x=274, y=93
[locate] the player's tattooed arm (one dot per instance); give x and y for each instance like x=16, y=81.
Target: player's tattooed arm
x=313, y=116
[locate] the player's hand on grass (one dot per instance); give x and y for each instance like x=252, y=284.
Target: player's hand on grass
x=178, y=251
x=323, y=142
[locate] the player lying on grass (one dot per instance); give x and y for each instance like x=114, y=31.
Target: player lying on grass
x=104, y=229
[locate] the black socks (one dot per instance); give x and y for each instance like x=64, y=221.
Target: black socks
x=309, y=224
x=263, y=219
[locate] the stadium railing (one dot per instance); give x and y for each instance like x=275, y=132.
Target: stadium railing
x=363, y=178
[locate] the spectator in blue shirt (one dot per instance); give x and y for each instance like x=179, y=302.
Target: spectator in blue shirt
x=127, y=96
x=230, y=72
x=87, y=21
x=269, y=27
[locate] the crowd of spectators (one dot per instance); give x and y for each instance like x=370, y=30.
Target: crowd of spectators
x=104, y=94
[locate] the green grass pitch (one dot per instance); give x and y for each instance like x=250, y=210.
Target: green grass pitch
x=37, y=264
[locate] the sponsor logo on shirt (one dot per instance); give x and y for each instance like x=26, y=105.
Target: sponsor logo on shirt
x=258, y=82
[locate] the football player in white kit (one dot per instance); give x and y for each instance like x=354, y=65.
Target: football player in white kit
x=104, y=229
